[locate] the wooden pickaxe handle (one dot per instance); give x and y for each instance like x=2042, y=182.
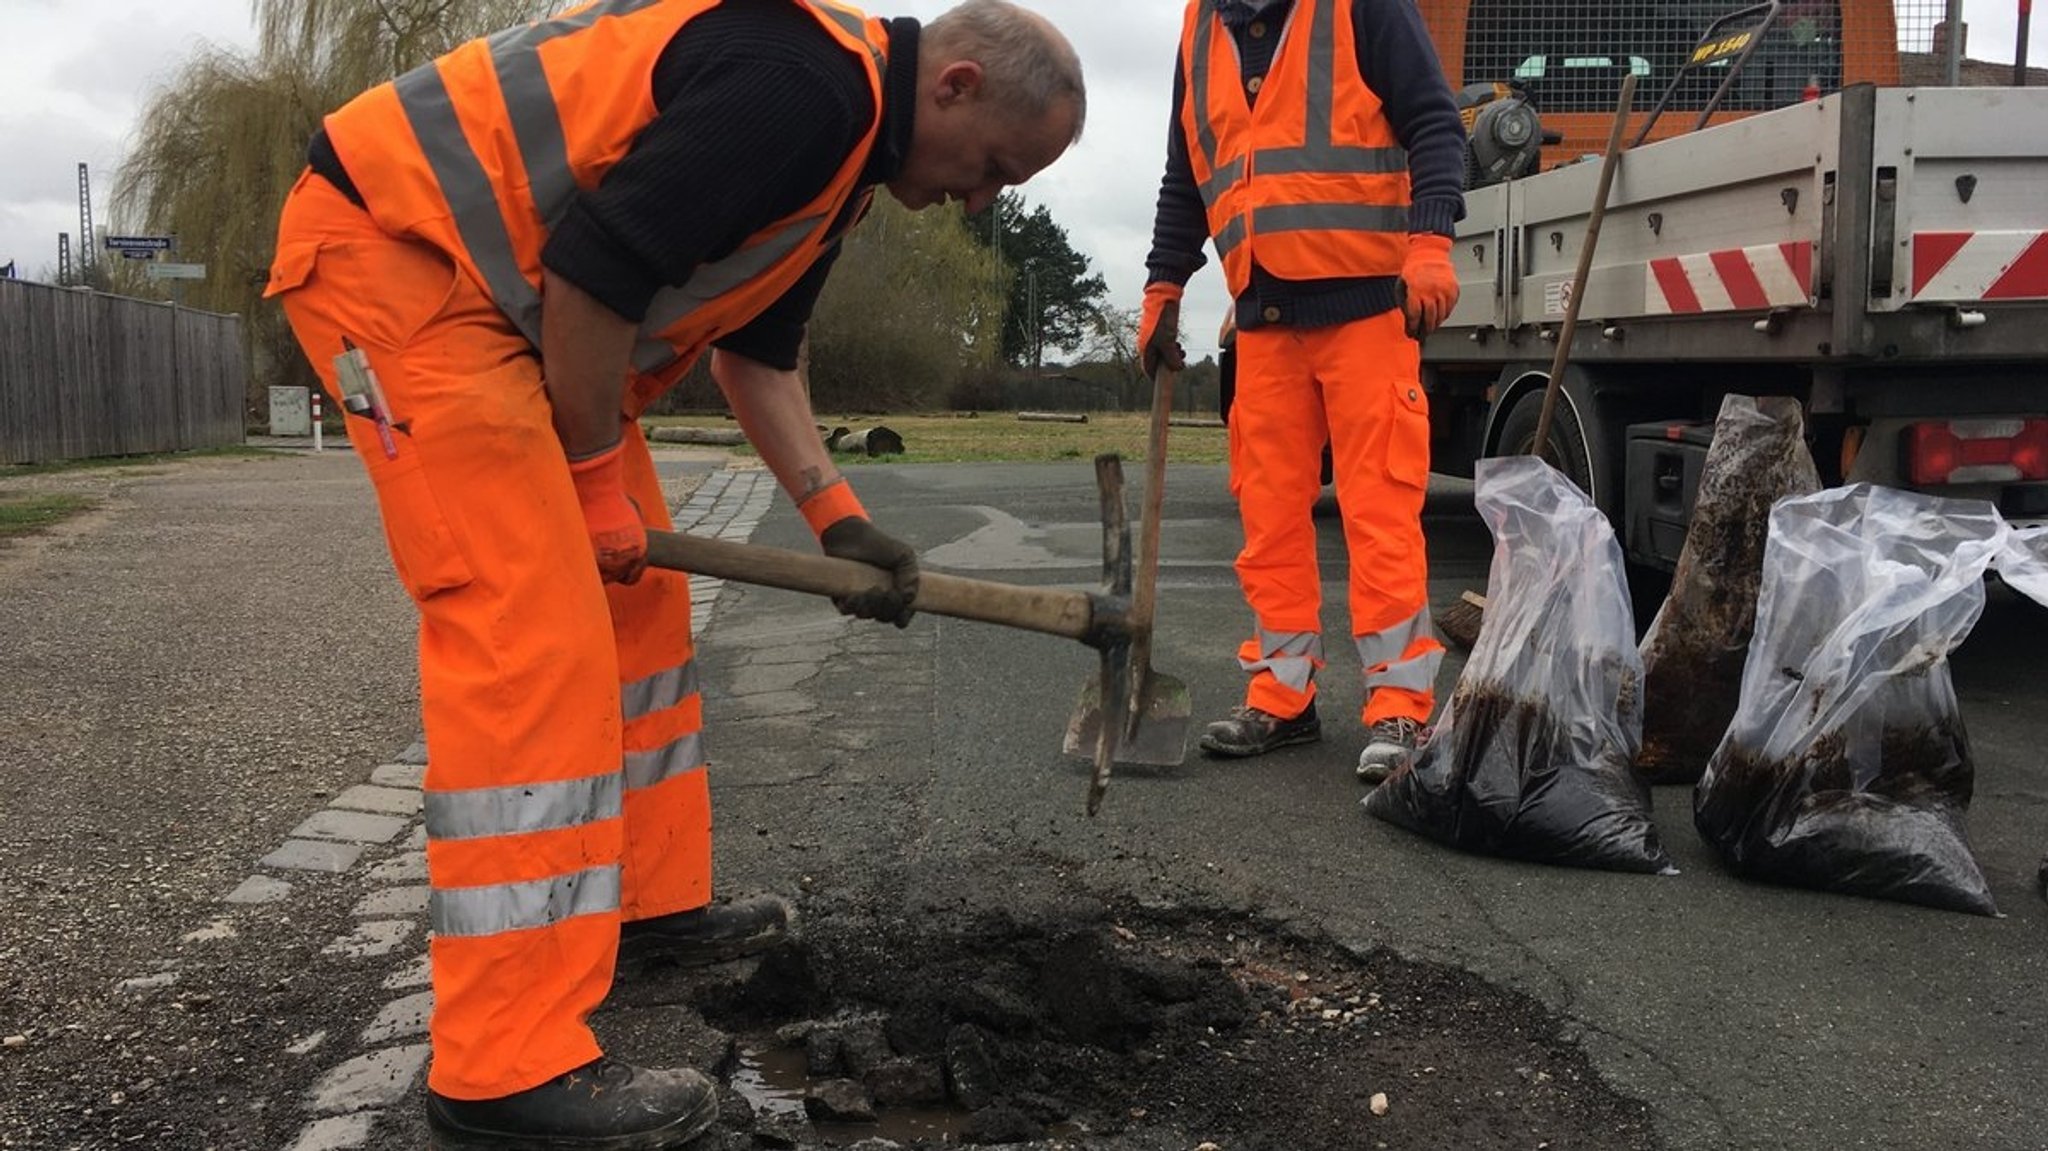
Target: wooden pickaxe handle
x=1073, y=614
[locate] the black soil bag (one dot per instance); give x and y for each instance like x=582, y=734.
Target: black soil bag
x=1847, y=767
x=1532, y=757
x=1695, y=648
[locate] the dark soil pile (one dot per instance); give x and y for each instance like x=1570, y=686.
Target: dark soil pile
x=1142, y=1031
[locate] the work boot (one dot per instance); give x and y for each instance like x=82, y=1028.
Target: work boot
x=714, y=934
x=1253, y=731
x=1392, y=744
x=601, y=1106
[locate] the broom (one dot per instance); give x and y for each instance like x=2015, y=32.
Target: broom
x=1459, y=624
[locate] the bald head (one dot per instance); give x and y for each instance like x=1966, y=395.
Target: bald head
x=1029, y=69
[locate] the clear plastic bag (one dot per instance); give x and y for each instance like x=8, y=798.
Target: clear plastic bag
x=1847, y=766
x=2024, y=563
x=1695, y=648
x=1531, y=759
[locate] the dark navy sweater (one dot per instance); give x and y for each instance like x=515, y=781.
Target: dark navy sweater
x=1400, y=66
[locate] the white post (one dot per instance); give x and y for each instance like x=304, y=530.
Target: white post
x=318, y=441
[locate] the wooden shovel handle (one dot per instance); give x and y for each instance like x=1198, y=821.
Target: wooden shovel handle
x=1053, y=611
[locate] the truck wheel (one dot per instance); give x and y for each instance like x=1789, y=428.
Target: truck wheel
x=1577, y=444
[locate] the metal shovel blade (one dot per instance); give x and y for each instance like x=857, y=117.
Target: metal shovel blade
x=1156, y=732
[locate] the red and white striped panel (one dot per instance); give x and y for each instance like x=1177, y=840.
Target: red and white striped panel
x=1731, y=280
x=1980, y=266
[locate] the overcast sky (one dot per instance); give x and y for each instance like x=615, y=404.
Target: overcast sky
x=75, y=73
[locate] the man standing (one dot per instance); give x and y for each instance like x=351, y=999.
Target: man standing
x=1317, y=143
x=528, y=240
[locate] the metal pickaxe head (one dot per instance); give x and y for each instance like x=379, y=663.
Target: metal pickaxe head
x=1128, y=713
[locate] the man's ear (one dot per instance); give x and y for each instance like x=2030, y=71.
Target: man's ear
x=960, y=80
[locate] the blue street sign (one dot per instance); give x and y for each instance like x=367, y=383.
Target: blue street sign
x=139, y=243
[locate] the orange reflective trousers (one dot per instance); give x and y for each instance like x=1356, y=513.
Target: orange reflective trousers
x=1358, y=387
x=565, y=788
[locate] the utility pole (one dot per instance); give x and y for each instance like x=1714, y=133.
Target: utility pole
x=63, y=259
x=86, y=235
x=1954, y=19
x=2019, y=55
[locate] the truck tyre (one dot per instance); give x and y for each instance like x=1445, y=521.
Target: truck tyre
x=1578, y=441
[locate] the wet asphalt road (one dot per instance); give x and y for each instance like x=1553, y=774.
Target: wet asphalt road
x=1748, y=1016
x=195, y=669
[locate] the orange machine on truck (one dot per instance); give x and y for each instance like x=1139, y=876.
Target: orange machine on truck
x=1805, y=218
x=1570, y=55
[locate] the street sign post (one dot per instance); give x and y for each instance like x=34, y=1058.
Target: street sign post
x=147, y=245
x=177, y=274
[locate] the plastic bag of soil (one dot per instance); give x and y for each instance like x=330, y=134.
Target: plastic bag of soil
x=1531, y=759
x=1695, y=648
x=1847, y=767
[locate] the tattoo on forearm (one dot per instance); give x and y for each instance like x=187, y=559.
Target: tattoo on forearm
x=815, y=482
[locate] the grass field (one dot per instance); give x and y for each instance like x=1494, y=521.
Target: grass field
x=20, y=515
x=991, y=437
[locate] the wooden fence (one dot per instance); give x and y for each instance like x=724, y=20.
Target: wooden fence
x=84, y=375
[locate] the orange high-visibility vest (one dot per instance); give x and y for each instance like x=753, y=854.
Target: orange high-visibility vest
x=482, y=150
x=1310, y=183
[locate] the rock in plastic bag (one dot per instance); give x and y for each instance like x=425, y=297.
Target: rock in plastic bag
x=1695, y=648
x=1847, y=767
x=1532, y=757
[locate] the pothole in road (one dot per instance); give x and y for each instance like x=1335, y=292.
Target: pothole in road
x=1144, y=1029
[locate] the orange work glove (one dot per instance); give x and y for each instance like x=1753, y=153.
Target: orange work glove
x=1429, y=284
x=611, y=517
x=1159, y=328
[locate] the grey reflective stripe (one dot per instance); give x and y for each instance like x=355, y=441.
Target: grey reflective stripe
x=521, y=808
x=1322, y=78
x=493, y=910
x=1289, y=657
x=1231, y=236
x=658, y=692
x=1331, y=218
x=645, y=769
x=1220, y=182
x=537, y=125
x=855, y=27
x=1390, y=644
x=1330, y=158
x=430, y=111
x=671, y=306
x=1198, y=86
x=1418, y=674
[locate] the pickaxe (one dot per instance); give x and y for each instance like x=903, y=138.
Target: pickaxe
x=1151, y=709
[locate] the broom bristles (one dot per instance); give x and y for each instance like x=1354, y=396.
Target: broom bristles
x=1459, y=623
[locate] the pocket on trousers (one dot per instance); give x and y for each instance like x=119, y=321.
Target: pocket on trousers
x=424, y=548
x=1408, y=439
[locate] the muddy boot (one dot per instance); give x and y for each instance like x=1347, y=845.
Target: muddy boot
x=600, y=1106
x=1250, y=731
x=1392, y=744
x=714, y=934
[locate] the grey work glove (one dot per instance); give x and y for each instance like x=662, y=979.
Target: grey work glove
x=854, y=538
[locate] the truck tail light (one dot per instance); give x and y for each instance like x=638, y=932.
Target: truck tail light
x=1977, y=451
